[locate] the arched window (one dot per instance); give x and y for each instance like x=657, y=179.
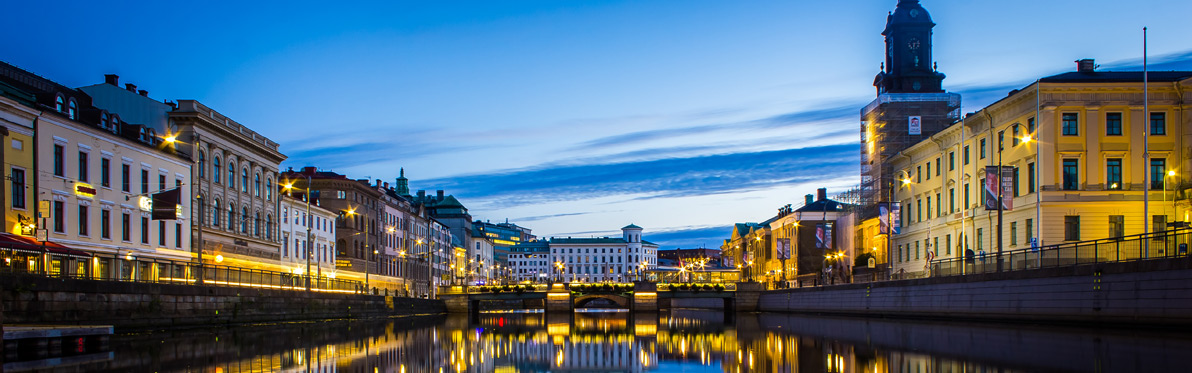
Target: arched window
x=256, y=185
x=103, y=120
x=232, y=174
x=269, y=189
x=244, y=220
x=215, y=169
x=269, y=226
x=215, y=213
x=232, y=216
x=256, y=225
x=244, y=180
x=202, y=164
x=60, y=104
x=73, y=110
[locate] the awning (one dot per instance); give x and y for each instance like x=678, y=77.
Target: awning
x=29, y=244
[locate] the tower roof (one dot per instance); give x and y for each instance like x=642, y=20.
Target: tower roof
x=908, y=12
x=631, y=226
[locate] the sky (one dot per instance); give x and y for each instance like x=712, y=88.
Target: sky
x=575, y=118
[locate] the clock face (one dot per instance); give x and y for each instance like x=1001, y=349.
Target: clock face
x=913, y=44
x=914, y=13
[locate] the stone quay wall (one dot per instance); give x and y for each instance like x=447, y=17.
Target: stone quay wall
x=44, y=300
x=1146, y=292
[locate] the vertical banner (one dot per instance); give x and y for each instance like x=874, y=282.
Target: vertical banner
x=915, y=125
x=991, y=187
x=819, y=236
x=889, y=212
x=784, y=248
x=828, y=236
x=1007, y=188
x=994, y=182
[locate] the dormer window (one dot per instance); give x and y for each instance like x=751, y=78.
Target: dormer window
x=103, y=120
x=60, y=104
x=73, y=110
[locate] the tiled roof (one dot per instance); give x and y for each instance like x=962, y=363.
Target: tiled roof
x=603, y=240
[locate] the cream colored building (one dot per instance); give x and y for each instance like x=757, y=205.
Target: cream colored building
x=296, y=247
x=1087, y=149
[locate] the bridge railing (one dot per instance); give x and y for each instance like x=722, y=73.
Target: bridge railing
x=687, y=286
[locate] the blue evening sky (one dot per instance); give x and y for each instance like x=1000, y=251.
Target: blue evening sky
x=574, y=118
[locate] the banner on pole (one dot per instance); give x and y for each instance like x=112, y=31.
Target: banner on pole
x=888, y=212
x=994, y=181
x=784, y=248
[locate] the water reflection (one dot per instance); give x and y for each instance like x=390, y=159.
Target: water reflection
x=683, y=340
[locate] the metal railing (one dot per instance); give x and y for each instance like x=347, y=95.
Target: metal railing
x=1156, y=245
x=101, y=267
x=698, y=286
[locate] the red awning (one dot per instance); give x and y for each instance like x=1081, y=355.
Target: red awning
x=28, y=243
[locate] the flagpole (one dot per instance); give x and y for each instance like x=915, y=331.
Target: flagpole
x=1146, y=153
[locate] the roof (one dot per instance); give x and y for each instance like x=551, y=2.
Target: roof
x=631, y=226
x=1117, y=76
x=648, y=243
x=588, y=241
x=448, y=201
x=823, y=205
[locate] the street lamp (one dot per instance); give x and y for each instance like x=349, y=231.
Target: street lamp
x=559, y=266
x=289, y=187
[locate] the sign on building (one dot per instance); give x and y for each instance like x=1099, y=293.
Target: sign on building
x=784, y=248
x=915, y=125
x=890, y=212
x=993, y=182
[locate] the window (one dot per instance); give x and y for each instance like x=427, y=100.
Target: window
x=59, y=217
x=1158, y=223
x=256, y=225
x=161, y=232
x=935, y=246
x=215, y=169
x=937, y=166
x=1072, y=228
x=919, y=174
x=231, y=175
x=60, y=104
x=919, y=210
x=982, y=148
x=939, y=203
x=144, y=230
x=948, y=245
x=59, y=169
x=244, y=180
x=966, y=155
x=951, y=161
x=980, y=239
x=72, y=110
x=952, y=200
x=928, y=170
x=899, y=253
x=202, y=164
x=84, y=165
x=178, y=235
x=967, y=202
x=231, y=216
x=1070, y=125
x=1016, y=136
x=1030, y=229
x=125, y=222
x=1030, y=126
x=1013, y=233
x=1117, y=226
x=161, y=182
x=917, y=250
x=215, y=212
x=1113, y=124
x=1030, y=178
x=1158, y=172
x=244, y=220
x=269, y=189
x=105, y=172
x=1113, y=174
x=105, y=221
x=1159, y=124
x=1001, y=141
x=17, y=179
x=144, y=181
x=83, y=221
x=1014, y=178
x=256, y=184
x=1070, y=174
x=124, y=178
x=929, y=207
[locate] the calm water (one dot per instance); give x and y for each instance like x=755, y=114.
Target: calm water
x=680, y=341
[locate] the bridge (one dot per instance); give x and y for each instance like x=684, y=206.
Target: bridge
x=636, y=296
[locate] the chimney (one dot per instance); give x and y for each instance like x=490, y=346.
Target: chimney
x=440, y=193
x=821, y=194
x=810, y=199
x=1085, y=65
x=421, y=194
x=386, y=185
x=308, y=170
x=130, y=87
x=112, y=79
x=143, y=93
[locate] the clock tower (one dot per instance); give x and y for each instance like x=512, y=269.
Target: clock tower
x=908, y=67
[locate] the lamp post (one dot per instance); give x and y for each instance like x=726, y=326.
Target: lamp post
x=307, y=222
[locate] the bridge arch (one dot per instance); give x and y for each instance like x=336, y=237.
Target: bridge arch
x=581, y=301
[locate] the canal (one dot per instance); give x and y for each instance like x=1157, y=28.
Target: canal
x=677, y=341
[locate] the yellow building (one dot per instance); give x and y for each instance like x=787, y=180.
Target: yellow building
x=1077, y=173
x=16, y=153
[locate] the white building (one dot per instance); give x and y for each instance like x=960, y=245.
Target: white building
x=295, y=220
x=530, y=262
x=604, y=259
x=480, y=257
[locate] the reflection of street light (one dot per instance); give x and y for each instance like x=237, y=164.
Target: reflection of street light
x=559, y=266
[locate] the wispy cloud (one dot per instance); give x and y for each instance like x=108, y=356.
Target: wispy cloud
x=551, y=216
x=690, y=237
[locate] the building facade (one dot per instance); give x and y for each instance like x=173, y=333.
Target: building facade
x=530, y=262
x=307, y=236
x=603, y=259
x=1074, y=147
